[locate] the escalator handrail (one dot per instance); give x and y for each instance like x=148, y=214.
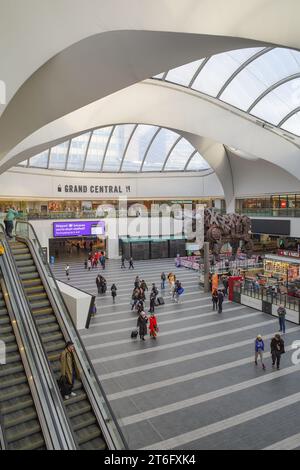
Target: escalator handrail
x=3, y=441
x=69, y=442
x=66, y=311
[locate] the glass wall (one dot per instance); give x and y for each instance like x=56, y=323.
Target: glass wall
x=284, y=205
x=78, y=209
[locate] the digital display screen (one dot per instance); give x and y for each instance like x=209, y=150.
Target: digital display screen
x=78, y=229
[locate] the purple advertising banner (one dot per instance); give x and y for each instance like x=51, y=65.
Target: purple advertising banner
x=78, y=228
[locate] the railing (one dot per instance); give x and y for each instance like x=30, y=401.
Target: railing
x=270, y=212
x=3, y=441
x=47, y=390
x=267, y=295
x=111, y=429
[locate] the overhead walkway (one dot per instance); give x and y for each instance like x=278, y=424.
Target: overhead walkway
x=88, y=413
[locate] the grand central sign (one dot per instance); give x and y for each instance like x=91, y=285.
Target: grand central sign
x=93, y=189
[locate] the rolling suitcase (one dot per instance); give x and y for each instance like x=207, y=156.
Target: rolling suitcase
x=160, y=301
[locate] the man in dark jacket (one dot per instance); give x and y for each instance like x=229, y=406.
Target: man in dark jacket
x=220, y=301
x=281, y=315
x=277, y=348
x=142, y=325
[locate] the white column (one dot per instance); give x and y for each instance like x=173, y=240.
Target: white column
x=230, y=206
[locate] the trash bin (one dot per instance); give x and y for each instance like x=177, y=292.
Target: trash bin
x=52, y=260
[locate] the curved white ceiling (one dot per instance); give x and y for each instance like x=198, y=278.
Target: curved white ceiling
x=126, y=42
x=200, y=120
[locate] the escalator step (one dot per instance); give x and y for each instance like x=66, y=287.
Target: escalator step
x=9, y=369
x=34, y=442
x=28, y=270
x=78, y=409
x=8, y=337
x=31, y=283
x=55, y=347
x=11, y=348
x=88, y=434
x=5, y=325
x=37, y=296
x=18, y=417
x=94, y=444
x=83, y=421
x=43, y=311
x=24, y=262
x=12, y=380
x=23, y=430
x=35, y=290
x=14, y=392
x=30, y=277
x=11, y=359
x=38, y=304
x=80, y=397
x=16, y=404
x=49, y=328
x=46, y=320
x=52, y=337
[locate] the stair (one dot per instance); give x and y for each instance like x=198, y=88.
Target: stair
x=79, y=409
x=21, y=424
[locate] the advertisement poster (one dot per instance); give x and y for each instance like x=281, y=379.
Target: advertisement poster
x=78, y=228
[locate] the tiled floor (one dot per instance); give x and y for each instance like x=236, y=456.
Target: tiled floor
x=196, y=386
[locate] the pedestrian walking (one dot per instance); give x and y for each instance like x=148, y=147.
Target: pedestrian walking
x=131, y=263
x=163, y=278
x=69, y=371
x=281, y=315
x=215, y=299
x=152, y=302
x=220, y=301
x=153, y=327
x=98, y=283
x=114, y=292
x=225, y=284
x=123, y=262
x=259, y=351
x=89, y=264
x=85, y=264
x=67, y=270
x=277, y=349
x=142, y=325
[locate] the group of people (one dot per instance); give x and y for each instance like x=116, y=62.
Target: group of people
x=138, y=298
x=217, y=299
x=94, y=260
x=142, y=323
x=176, y=289
x=123, y=265
x=277, y=349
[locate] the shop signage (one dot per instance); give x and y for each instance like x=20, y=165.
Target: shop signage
x=289, y=254
x=78, y=229
x=93, y=189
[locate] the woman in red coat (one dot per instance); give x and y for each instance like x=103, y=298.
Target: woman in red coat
x=153, y=326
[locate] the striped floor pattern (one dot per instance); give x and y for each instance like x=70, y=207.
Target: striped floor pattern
x=196, y=386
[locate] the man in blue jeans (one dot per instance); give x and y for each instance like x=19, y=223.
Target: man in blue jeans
x=281, y=315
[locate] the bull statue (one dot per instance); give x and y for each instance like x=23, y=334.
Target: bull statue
x=230, y=228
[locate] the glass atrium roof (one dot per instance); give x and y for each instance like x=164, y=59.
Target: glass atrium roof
x=120, y=149
x=264, y=82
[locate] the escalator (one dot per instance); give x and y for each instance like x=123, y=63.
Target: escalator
x=19, y=418
x=79, y=409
